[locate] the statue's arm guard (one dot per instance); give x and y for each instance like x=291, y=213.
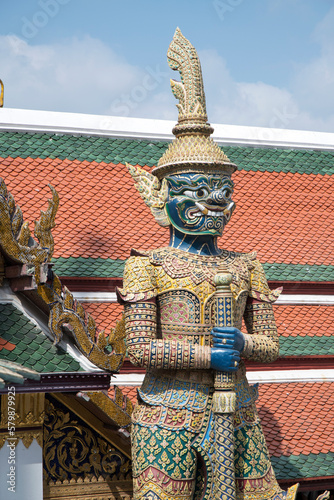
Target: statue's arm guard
x=261, y=342
x=144, y=348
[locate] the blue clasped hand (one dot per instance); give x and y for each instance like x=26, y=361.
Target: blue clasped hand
x=228, y=343
x=228, y=337
x=224, y=360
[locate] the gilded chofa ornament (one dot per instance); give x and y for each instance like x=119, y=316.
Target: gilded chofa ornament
x=15, y=236
x=17, y=244
x=196, y=434
x=1, y=93
x=65, y=312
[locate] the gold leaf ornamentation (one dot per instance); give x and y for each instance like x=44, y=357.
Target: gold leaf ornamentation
x=15, y=238
x=182, y=57
x=72, y=450
x=116, y=337
x=47, y=222
x=153, y=192
x=29, y=418
x=67, y=312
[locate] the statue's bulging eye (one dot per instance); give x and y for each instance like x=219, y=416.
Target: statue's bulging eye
x=227, y=192
x=200, y=193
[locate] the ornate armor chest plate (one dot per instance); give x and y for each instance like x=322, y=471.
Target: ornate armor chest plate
x=185, y=292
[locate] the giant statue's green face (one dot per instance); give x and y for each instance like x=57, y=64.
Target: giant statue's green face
x=198, y=203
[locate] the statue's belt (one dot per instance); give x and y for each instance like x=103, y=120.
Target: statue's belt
x=189, y=389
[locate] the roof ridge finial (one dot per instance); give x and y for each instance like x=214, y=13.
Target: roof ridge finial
x=2, y=89
x=182, y=56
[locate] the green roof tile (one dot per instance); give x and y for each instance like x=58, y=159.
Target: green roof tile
x=143, y=152
x=304, y=466
x=306, y=346
x=81, y=266
x=33, y=349
x=113, y=268
x=298, y=272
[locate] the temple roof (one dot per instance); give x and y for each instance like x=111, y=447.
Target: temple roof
x=283, y=197
x=297, y=421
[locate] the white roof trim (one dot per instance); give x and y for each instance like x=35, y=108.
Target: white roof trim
x=95, y=296
x=286, y=376
x=305, y=299
x=25, y=120
x=283, y=299
x=263, y=377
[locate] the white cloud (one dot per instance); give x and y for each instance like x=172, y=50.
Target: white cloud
x=232, y=102
x=313, y=82
x=76, y=75
x=307, y=104
x=85, y=75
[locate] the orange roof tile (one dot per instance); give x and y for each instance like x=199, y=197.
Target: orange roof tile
x=283, y=216
x=304, y=320
x=105, y=314
x=297, y=417
x=130, y=392
x=102, y=215
x=5, y=344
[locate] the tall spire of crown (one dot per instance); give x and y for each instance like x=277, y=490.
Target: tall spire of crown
x=193, y=149
x=182, y=57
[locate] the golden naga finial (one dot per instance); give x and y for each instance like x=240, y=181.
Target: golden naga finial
x=1, y=93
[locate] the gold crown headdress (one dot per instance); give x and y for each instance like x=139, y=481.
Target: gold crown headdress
x=193, y=149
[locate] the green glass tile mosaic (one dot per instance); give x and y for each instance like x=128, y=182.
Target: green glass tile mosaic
x=33, y=349
x=89, y=267
x=303, y=466
x=143, y=152
x=104, y=268
x=298, y=272
x=306, y=346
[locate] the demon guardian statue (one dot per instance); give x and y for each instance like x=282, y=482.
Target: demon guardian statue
x=187, y=442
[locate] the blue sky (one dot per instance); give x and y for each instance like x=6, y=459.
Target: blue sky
x=265, y=62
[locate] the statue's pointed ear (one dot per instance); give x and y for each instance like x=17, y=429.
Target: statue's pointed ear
x=153, y=192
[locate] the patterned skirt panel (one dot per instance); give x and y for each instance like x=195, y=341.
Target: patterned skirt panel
x=173, y=442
